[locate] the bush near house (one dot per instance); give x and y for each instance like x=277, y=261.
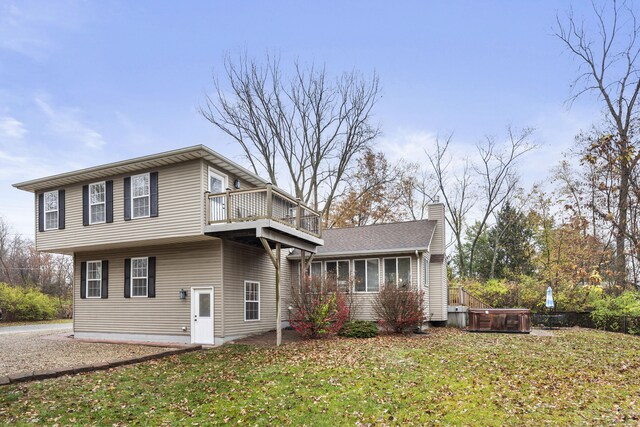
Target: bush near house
x=399, y=308
x=359, y=329
x=319, y=309
x=18, y=303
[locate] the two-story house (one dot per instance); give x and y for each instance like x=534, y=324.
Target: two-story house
x=182, y=246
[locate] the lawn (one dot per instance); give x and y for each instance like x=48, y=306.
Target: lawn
x=578, y=377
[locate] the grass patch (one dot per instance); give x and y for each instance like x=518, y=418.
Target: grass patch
x=38, y=322
x=578, y=377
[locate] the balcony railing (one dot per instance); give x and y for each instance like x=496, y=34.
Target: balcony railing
x=262, y=203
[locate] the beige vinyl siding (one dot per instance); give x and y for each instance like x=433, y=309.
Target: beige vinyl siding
x=242, y=262
x=244, y=185
x=438, y=291
x=179, y=214
x=436, y=212
x=177, y=266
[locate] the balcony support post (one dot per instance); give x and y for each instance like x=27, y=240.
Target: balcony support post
x=275, y=259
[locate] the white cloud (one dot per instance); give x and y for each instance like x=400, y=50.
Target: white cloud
x=11, y=128
x=67, y=123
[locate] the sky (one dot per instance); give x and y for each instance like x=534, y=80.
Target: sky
x=84, y=83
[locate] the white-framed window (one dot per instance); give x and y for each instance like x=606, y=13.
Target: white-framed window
x=97, y=203
x=338, y=270
x=366, y=274
x=139, y=277
x=51, y=210
x=140, y=195
x=397, y=271
x=94, y=279
x=316, y=270
x=251, y=300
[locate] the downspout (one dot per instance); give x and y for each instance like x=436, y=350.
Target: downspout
x=420, y=287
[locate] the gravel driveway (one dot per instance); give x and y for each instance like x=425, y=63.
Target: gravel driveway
x=43, y=350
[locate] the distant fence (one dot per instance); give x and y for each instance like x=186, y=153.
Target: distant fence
x=567, y=319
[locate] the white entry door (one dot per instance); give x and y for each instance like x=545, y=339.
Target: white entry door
x=202, y=315
x=217, y=185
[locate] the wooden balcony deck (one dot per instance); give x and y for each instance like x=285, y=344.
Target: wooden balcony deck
x=246, y=215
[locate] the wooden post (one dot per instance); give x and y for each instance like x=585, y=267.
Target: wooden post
x=461, y=296
x=298, y=214
x=278, y=298
x=275, y=259
x=207, y=207
x=228, y=204
x=302, y=269
x=269, y=200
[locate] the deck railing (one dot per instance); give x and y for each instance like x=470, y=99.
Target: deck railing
x=262, y=203
x=460, y=296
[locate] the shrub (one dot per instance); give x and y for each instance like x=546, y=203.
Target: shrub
x=19, y=303
x=319, y=309
x=619, y=313
x=359, y=329
x=399, y=308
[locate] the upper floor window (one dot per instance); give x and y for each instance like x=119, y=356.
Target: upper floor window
x=397, y=271
x=367, y=275
x=139, y=277
x=140, y=196
x=94, y=279
x=51, y=210
x=97, y=203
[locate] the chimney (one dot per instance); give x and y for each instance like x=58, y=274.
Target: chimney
x=435, y=211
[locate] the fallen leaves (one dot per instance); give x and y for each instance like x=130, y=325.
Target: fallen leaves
x=578, y=377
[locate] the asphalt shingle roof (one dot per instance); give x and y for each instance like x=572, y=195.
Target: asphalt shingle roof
x=409, y=235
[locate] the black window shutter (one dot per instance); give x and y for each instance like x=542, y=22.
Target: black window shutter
x=108, y=188
x=127, y=198
x=153, y=194
x=151, y=275
x=61, y=209
x=83, y=280
x=41, y=212
x=105, y=280
x=85, y=205
x=127, y=277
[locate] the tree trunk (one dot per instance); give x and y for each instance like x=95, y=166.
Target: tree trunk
x=621, y=236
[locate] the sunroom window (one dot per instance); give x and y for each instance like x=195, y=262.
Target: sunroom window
x=397, y=271
x=367, y=275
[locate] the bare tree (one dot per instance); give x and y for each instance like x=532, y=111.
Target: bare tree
x=479, y=188
x=498, y=176
x=419, y=189
x=608, y=57
x=458, y=196
x=303, y=129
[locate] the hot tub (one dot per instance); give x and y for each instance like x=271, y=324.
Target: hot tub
x=509, y=320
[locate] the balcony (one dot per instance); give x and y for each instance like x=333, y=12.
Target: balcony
x=247, y=215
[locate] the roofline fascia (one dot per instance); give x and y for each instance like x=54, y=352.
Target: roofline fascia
x=364, y=253
x=147, y=158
